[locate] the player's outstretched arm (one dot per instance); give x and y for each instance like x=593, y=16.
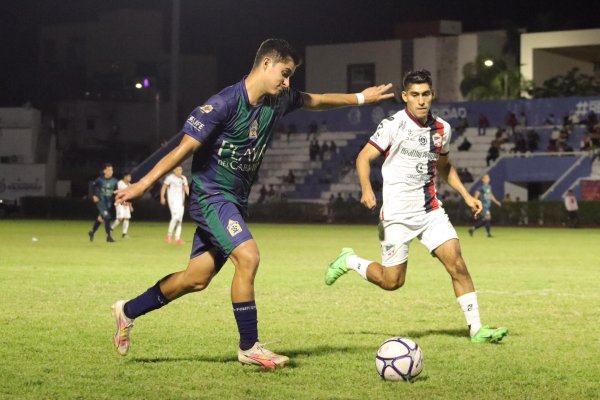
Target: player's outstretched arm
x=327, y=101
x=186, y=147
x=363, y=169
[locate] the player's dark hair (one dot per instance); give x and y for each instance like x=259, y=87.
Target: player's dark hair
x=416, y=77
x=106, y=166
x=278, y=49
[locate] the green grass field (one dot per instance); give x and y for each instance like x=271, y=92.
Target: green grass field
x=56, y=293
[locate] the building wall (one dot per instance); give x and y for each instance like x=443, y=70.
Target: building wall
x=531, y=43
x=443, y=56
x=548, y=65
x=326, y=66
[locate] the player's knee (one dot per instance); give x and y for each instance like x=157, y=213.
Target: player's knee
x=247, y=262
x=195, y=284
x=458, y=268
x=393, y=284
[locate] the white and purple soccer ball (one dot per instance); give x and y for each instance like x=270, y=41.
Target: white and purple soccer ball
x=399, y=358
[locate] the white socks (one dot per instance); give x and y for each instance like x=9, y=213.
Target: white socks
x=358, y=264
x=469, y=306
x=125, y=226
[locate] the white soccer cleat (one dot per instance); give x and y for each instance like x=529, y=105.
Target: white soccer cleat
x=260, y=355
x=124, y=325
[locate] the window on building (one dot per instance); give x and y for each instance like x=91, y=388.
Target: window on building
x=360, y=77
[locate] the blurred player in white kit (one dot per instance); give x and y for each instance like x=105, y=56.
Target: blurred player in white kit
x=176, y=189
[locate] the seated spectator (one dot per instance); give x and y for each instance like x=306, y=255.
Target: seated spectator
x=312, y=130
x=520, y=143
x=507, y=198
x=263, y=194
x=290, y=178
x=465, y=145
x=550, y=120
x=493, y=152
x=511, y=121
x=586, y=142
x=552, y=148
x=533, y=139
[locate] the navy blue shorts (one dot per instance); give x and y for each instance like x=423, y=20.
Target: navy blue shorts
x=104, y=209
x=220, y=226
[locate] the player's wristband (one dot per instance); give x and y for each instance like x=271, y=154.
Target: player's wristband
x=361, y=98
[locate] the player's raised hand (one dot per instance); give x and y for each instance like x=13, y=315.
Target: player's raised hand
x=368, y=199
x=375, y=94
x=131, y=192
x=474, y=204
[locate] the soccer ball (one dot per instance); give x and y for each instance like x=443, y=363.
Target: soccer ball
x=399, y=358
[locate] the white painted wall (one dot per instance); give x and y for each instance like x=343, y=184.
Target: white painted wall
x=544, y=40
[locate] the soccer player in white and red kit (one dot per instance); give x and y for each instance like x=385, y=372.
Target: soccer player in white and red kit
x=124, y=210
x=176, y=188
x=416, y=147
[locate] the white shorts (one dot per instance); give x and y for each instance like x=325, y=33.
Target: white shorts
x=176, y=211
x=432, y=229
x=123, y=211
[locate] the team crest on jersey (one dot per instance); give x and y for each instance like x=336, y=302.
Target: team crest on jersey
x=437, y=140
x=206, y=108
x=233, y=227
x=389, y=249
x=253, y=133
x=422, y=140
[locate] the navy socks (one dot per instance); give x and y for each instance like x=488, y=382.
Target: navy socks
x=151, y=299
x=247, y=322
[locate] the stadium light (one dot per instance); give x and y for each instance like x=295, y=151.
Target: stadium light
x=138, y=85
x=488, y=63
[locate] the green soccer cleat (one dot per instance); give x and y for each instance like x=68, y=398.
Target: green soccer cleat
x=338, y=266
x=491, y=335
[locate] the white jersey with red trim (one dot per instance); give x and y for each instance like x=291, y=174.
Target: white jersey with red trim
x=409, y=169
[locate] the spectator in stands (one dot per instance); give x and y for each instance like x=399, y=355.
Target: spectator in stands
x=522, y=120
x=533, y=139
x=339, y=201
x=591, y=120
x=324, y=150
x=586, y=142
x=271, y=193
x=493, y=152
x=482, y=124
x=465, y=145
x=552, y=148
x=351, y=199
x=501, y=136
x=332, y=148
x=555, y=133
x=507, y=198
x=312, y=130
x=323, y=127
x=290, y=178
x=550, y=120
x=572, y=209
x=314, y=149
x=511, y=121
x=520, y=143
x=330, y=208
x=461, y=126
x=263, y=194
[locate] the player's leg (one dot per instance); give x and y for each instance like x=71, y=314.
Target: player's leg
x=125, y=227
x=172, y=224
x=449, y=253
x=115, y=223
x=178, y=226
x=487, y=220
x=97, y=222
x=205, y=262
x=391, y=273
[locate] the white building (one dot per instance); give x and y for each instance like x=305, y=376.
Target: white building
x=27, y=158
x=350, y=67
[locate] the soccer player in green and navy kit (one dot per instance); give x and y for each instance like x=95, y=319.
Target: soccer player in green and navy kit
x=228, y=136
x=103, y=193
x=487, y=197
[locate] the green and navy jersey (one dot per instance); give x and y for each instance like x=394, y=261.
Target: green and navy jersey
x=234, y=136
x=104, y=188
x=486, y=197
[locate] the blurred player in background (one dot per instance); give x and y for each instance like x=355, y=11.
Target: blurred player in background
x=176, y=188
x=228, y=136
x=416, y=147
x=103, y=189
x=124, y=210
x=487, y=197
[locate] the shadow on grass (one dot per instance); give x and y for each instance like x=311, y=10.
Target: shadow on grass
x=292, y=353
x=418, y=334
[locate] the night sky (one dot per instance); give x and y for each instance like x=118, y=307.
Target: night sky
x=233, y=29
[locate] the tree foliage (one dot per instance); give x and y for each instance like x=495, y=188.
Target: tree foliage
x=573, y=83
x=481, y=82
